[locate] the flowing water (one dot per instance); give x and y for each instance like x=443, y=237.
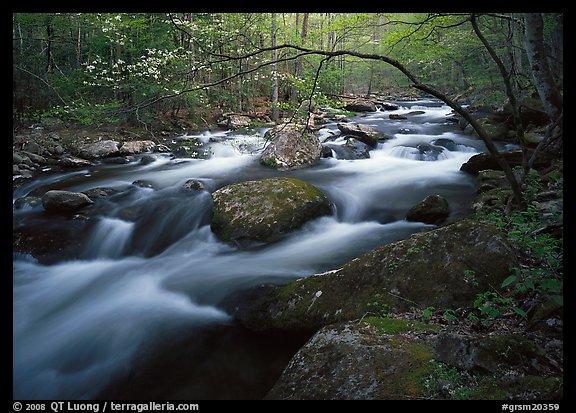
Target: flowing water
x=137, y=313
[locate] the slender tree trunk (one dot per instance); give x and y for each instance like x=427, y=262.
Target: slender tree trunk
x=298, y=68
x=274, y=72
x=537, y=56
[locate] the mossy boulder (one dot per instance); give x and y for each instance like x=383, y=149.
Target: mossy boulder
x=428, y=269
x=485, y=353
x=432, y=210
x=291, y=146
x=265, y=210
x=355, y=361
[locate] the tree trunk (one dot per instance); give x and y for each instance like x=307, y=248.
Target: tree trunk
x=537, y=56
x=274, y=72
x=298, y=68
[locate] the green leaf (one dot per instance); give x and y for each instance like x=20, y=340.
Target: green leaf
x=510, y=280
x=520, y=312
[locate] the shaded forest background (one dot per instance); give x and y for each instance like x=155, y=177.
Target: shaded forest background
x=104, y=68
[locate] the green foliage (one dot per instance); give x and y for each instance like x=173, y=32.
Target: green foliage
x=427, y=313
x=379, y=307
x=543, y=278
x=449, y=381
x=450, y=315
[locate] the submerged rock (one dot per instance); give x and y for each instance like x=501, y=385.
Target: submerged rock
x=427, y=269
x=265, y=210
x=291, y=147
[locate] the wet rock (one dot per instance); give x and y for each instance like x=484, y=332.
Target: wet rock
x=193, y=184
x=415, y=112
x=424, y=270
x=361, y=105
x=265, y=210
x=432, y=210
x=96, y=193
x=69, y=161
x=387, y=105
x=291, y=147
x=352, y=149
x=395, y=116
x=64, y=201
x=446, y=143
x=361, y=132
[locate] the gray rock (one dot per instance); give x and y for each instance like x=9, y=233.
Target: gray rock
x=361, y=132
x=484, y=353
x=395, y=116
x=352, y=149
x=361, y=105
x=354, y=361
x=33, y=147
x=69, y=161
x=424, y=270
x=64, y=201
x=193, y=184
x=16, y=158
x=291, y=147
x=432, y=210
x=98, y=149
x=134, y=147
x=265, y=210
x=485, y=160
x=162, y=148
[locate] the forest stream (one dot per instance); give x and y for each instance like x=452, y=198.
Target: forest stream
x=140, y=315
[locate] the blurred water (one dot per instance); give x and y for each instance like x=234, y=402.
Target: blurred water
x=151, y=268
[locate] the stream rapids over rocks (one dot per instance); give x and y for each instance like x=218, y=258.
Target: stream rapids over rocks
x=137, y=313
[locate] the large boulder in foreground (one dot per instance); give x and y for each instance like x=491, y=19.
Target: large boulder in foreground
x=292, y=146
x=265, y=210
x=443, y=268
x=64, y=201
x=394, y=359
x=355, y=361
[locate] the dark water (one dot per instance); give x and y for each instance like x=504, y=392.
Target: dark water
x=136, y=313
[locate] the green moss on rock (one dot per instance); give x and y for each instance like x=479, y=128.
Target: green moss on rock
x=264, y=210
